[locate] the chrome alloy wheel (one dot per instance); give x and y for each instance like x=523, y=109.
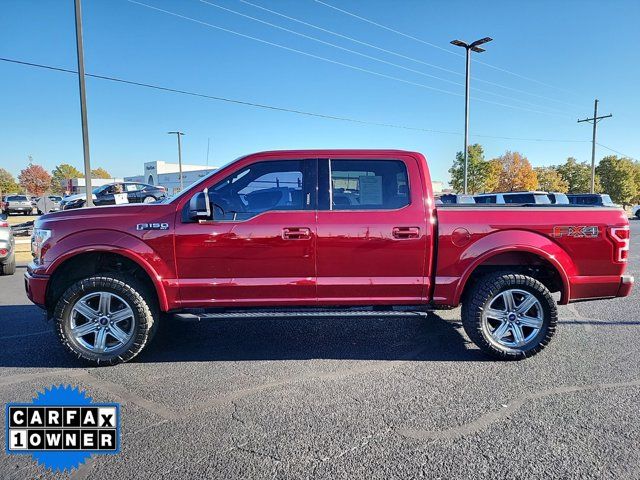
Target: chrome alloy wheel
x=102, y=322
x=512, y=318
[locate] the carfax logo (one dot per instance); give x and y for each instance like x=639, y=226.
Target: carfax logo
x=62, y=427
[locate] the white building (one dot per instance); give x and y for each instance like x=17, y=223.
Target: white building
x=77, y=185
x=168, y=175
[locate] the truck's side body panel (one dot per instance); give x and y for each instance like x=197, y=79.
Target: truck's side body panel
x=555, y=234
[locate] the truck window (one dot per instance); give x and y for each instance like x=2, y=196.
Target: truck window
x=519, y=198
x=368, y=185
x=260, y=187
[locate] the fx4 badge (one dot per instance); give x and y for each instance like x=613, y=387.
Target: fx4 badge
x=152, y=226
x=583, y=231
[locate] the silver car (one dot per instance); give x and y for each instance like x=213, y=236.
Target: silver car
x=18, y=204
x=7, y=248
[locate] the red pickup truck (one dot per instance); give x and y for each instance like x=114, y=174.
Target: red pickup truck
x=327, y=232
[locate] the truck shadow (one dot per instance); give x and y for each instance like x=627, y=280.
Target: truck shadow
x=30, y=342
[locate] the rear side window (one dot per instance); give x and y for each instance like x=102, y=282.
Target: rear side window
x=368, y=185
x=485, y=199
x=520, y=198
x=606, y=200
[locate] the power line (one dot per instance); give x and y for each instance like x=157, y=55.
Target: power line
x=353, y=67
x=400, y=55
x=616, y=151
x=377, y=59
x=277, y=108
x=504, y=70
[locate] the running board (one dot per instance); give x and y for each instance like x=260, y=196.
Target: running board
x=196, y=317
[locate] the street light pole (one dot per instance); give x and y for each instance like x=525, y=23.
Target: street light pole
x=83, y=105
x=179, y=134
x=469, y=47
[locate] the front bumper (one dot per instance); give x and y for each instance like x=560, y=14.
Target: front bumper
x=36, y=287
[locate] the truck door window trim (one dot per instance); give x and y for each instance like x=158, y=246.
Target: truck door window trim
x=325, y=185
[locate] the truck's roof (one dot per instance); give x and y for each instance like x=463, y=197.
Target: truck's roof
x=338, y=151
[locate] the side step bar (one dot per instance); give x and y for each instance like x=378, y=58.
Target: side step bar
x=196, y=317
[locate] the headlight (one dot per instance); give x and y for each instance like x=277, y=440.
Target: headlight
x=39, y=237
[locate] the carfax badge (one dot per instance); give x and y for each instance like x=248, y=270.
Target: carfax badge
x=62, y=427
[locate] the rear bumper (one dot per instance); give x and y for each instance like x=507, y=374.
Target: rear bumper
x=584, y=288
x=626, y=285
x=36, y=287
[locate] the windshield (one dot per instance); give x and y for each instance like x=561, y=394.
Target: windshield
x=99, y=189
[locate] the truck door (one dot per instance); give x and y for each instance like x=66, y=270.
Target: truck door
x=372, y=231
x=259, y=249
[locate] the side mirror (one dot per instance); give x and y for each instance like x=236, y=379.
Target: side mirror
x=200, y=207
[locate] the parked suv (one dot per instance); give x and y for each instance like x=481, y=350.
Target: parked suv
x=18, y=204
x=596, y=199
x=116, y=193
x=296, y=231
x=513, y=197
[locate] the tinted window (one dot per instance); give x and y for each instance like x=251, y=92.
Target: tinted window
x=263, y=186
x=17, y=198
x=519, y=198
x=368, y=184
x=485, y=199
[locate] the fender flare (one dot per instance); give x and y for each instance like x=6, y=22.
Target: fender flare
x=132, y=255
x=528, y=242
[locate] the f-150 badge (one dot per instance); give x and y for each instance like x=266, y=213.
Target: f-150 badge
x=582, y=231
x=152, y=226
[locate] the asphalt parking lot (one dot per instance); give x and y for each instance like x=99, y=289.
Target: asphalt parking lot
x=349, y=398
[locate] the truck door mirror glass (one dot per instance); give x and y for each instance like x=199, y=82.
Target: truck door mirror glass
x=200, y=206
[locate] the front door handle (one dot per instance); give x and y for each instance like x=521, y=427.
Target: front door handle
x=403, y=233
x=296, y=233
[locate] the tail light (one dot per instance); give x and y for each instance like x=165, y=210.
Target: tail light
x=4, y=223
x=620, y=238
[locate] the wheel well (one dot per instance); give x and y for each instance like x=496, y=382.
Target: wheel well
x=88, y=264
x=525, y=263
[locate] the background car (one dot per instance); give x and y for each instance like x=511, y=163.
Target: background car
x=635, y=211
x=558, y=198
x=7, y=248
x=48, y=203
x=451, y=198
x=106, y=195
x=18, y=204
x=598, y=199
x=513, y=197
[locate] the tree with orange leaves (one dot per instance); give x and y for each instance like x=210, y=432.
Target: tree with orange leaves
x=516, y=173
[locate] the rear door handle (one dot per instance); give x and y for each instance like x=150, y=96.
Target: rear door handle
x=296, y=233
x=403, y=233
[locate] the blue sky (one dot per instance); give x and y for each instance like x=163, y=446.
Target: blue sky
x=579, y=50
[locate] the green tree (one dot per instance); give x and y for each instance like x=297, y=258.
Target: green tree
x=7, y=183
x=577, y=175
x=61, y=174
x=618, y=178
x=549, y=180
x=478, y=174
x=100, y=173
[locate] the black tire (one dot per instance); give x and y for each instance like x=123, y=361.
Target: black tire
x=484, y=291
x=145, y=315
x=9, y=268
x=638, y=214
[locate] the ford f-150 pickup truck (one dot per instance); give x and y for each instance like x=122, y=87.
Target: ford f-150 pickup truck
x=324, y=231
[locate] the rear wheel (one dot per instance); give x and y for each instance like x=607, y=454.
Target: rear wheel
x=105, y=319
x=509, y=316
x=148, y=200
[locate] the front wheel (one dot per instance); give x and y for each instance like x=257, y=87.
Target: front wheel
x=509, y=316
x=105, y=319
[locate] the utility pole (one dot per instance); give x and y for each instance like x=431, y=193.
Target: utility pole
x=179, y=134
x=595, y=121
x=469, y=47
x=83, y=105
x=208, y=143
